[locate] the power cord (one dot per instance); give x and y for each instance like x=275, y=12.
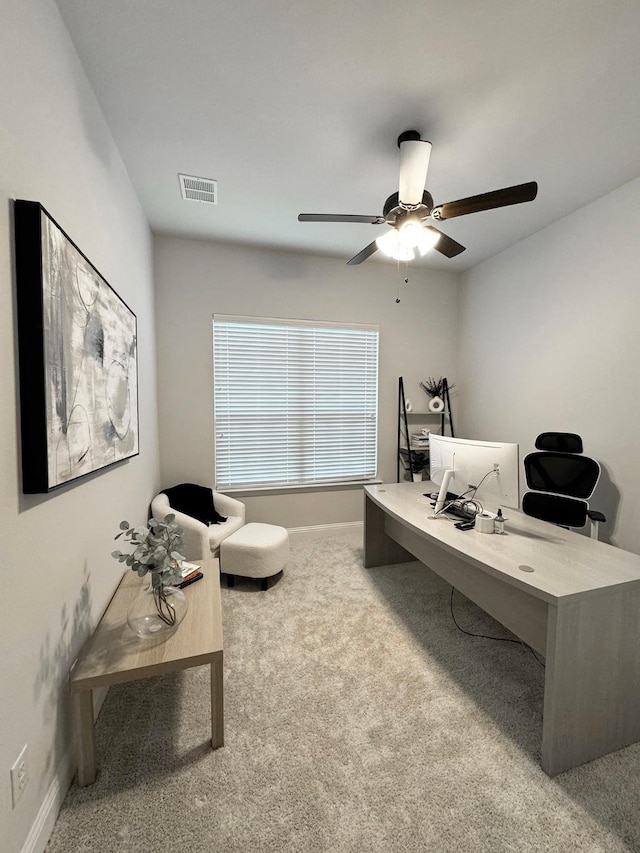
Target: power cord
x=487, y=637
x=471, y=490
x=456, y=500
x=488, y=474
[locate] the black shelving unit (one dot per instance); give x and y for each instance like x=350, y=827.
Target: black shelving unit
x=405, y=458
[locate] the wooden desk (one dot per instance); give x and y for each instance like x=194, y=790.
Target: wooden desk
x=113, y=654
x=573, y=599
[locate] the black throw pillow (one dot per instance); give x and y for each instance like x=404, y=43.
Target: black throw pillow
x=196, y=501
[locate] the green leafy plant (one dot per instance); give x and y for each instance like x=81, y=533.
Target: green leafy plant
x=155, y=550
x=419, y=459
x=434, y=387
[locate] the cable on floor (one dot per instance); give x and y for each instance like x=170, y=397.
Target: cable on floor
x=488, y=637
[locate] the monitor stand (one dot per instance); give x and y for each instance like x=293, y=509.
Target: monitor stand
x=444, y=488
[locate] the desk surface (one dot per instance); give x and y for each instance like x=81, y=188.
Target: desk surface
x=115, y=654
x=567, y=565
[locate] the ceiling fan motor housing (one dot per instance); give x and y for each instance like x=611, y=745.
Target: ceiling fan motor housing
x=409, y=136
x=394, y=211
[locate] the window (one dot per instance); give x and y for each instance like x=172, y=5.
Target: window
x=295, y=402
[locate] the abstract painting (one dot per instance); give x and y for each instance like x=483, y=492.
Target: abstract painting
x=77, y=344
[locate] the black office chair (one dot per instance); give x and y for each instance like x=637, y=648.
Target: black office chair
x=563, y=481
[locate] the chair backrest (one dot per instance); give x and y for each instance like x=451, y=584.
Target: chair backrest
x=562, y=478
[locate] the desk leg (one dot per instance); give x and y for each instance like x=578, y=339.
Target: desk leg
x=592, y=680
x=379, y=549
x=217, y=703
x=82, y=703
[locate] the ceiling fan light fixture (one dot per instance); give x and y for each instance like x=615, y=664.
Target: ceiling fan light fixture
x=410, y=234
x=427, y=241
x=389, y=243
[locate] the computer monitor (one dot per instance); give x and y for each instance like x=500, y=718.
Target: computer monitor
x=458, y=464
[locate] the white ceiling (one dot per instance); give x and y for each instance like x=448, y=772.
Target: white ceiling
x=296, y=105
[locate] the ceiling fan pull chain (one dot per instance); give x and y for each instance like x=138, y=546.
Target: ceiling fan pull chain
x=406, y=279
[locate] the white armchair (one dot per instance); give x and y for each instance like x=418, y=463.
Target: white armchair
x=201, y=539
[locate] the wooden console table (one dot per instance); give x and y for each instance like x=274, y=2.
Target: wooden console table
x=113, y=654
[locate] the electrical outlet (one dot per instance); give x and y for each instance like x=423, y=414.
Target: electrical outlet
x=496, y=467
x=19, y=776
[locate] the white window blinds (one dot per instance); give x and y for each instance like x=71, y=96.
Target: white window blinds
x=295, y=402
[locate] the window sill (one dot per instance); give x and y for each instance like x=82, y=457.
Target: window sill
x=248, y=491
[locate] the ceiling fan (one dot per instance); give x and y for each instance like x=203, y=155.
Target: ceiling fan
x=409, y=210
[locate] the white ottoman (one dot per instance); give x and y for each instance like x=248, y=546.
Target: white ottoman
x=255, y=551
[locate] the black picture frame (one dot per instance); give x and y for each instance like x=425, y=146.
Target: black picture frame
x=77, y=347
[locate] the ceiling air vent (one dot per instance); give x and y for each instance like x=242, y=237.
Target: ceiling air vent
x=199, y=189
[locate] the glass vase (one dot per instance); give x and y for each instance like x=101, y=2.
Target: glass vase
x=157, y=611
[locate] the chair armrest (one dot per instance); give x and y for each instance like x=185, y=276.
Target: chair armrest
x=195, y=536
x=594, y=515
x=226, y=505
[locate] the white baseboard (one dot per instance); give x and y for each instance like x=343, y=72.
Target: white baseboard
x=42, y=826
x=317, y=528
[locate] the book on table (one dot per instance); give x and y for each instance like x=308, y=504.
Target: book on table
x=187, y=568
x=190, y=572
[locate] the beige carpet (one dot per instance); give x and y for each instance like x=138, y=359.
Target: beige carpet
x=358, y=718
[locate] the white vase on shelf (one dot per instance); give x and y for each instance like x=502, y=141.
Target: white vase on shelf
x=436, y=404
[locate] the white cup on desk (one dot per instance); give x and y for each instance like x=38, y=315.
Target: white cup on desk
x=484, y=522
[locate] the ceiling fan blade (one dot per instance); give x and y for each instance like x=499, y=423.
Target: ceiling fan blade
x=486, y=201
x=447, y=246
x=339, y=217
x=364, y=254
x=414, y=162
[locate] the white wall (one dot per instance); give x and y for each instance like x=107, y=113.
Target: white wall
x=195, y=278
x=57, y=575
x=549, y=341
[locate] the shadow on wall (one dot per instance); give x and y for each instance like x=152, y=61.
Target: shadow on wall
x=130, y=707
x=50, y=687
